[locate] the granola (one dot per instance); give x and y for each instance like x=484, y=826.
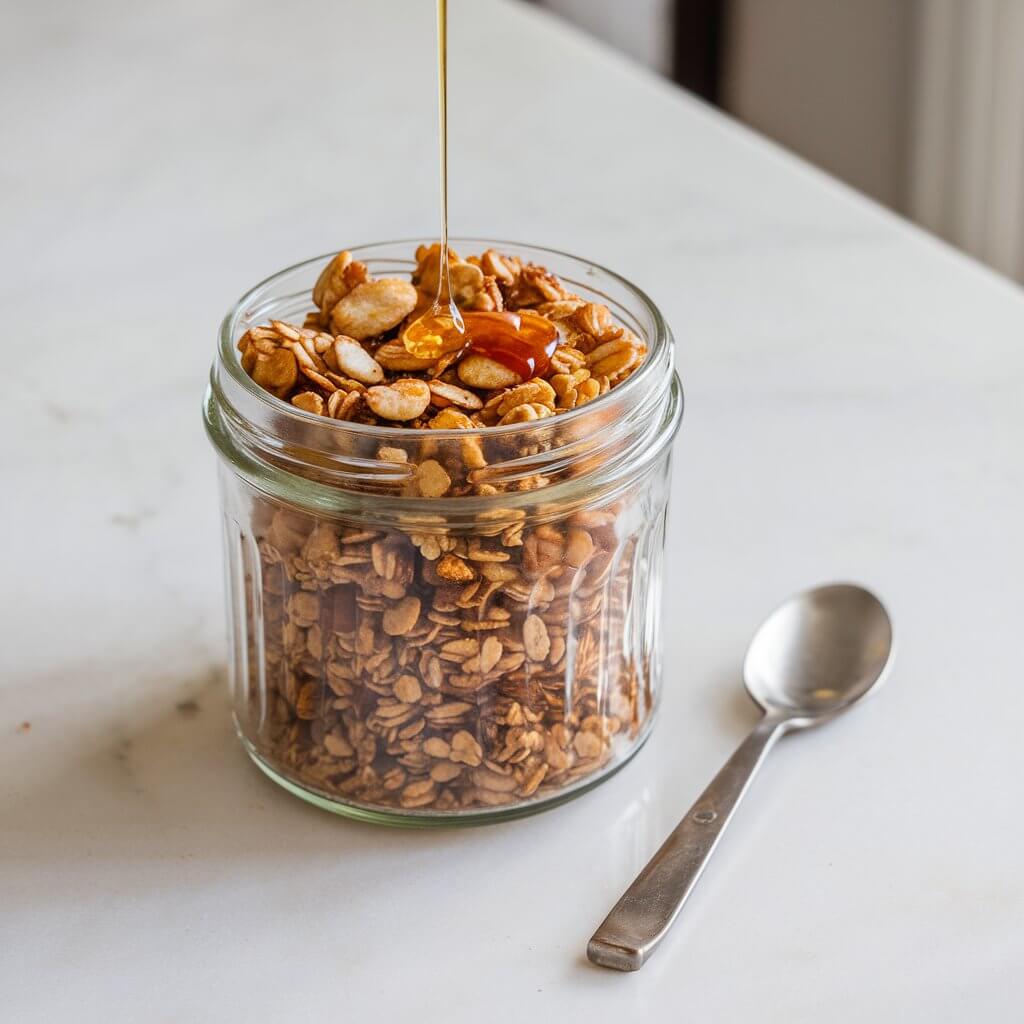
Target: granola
x=401, y=676
x=354, y=343
x=438, y=668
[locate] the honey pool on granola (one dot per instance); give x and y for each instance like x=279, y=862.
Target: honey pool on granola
x=446, y=670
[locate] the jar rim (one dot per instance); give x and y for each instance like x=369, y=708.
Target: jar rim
x=659, y=347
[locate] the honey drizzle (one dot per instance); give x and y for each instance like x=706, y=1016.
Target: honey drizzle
x=523, y=342
x=444, y=277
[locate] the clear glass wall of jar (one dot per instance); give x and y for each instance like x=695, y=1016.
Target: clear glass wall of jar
x=424, y=660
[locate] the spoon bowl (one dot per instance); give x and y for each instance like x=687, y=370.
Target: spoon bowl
x=818, y=653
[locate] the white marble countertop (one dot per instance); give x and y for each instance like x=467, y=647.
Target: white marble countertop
x=854, y=411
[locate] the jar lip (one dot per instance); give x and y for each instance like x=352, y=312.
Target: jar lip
x=659, y=344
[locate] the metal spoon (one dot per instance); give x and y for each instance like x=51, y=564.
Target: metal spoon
x=813, y=657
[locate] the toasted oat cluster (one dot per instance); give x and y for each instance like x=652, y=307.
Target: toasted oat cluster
x=349, y=360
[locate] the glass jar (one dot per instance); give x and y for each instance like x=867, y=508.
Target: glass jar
x=419, y=660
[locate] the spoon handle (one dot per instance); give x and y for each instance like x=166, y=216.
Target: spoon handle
x=642, y=918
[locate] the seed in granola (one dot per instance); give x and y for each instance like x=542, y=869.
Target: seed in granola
x=445, y=771
x=356, y=362
x=373, y=308
x=404, y=399
x=395, y=357
x=526, y=413
x=533, y=781
x=418, y=794
x=407, y=732
x=309, y=401
x=443, y=392
x=390, y=712
x=494, y=781
x=490, y=653
x=306, y=701
x=401, y=617
x=452, y=419
x=505, y=269
x=433, y=673
x=437, y=747
x=449, y=712
x=579, y=547
x=535, y=638
x=432, y=479
x=481, y=372
x=614, y=357
x=277, y=372
x=557, y=650
x=457, y=650
x=466, y=279
x=304, y=608
x=555, y=756
x=514, y=716
x=343, y=405
x=588, y=744
x=338, y=746
x=336, y=280
x=533, y=392
x=407, y=689
x=453, y=568
x=465, y=749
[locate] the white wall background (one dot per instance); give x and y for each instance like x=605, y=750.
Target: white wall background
x=828, y=79
x=638, y=27
x=966, y=130
x=918, y=103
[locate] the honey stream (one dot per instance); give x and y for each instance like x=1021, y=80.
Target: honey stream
x=523, y=341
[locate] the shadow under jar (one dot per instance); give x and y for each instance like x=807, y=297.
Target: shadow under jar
x=423, y=661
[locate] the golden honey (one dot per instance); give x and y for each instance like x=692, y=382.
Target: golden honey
x=523, y=341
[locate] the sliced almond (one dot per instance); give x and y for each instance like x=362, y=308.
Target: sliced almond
x=276, y=372
x=309, y=401
x=454, y=394
x=408, y=689
x=354, y=361
x=465, y=749
x=437, y=747
x=481, y=372
x=588, y=745
x=432, y=479
x=535, y=638
x=338, y=746
x=405, y=399
x=445, y=771
x=372, y=308
x=401, y=617
x=394, y=356
x=490, y=653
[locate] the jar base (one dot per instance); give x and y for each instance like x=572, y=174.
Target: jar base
x=394, y=818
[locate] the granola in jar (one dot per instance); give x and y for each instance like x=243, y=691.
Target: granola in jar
x=453, y=610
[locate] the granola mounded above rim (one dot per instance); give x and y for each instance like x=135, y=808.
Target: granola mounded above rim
x=431, y=668
x=350, y=361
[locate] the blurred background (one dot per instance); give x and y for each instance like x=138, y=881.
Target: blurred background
x=917, y=103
